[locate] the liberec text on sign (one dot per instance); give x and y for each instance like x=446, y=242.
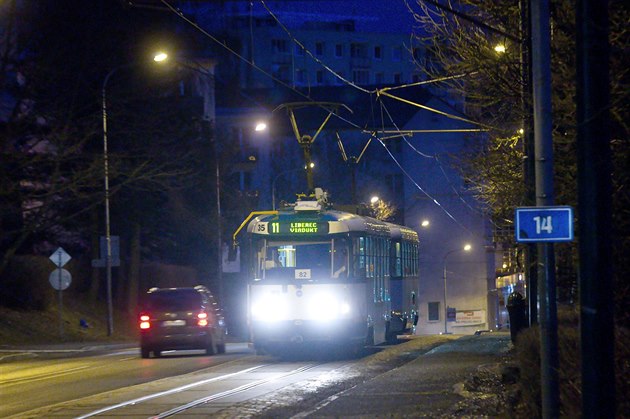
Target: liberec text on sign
x=303, y=228
x=298, y=227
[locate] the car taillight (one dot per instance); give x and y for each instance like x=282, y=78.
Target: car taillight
x=202, y=319
x=145, y=322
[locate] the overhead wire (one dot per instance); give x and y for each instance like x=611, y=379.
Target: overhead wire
x=378, y=92
x=440, y=165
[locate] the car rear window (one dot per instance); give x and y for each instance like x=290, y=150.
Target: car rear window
x=173, y=300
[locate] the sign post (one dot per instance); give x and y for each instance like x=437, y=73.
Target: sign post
x=60, y=279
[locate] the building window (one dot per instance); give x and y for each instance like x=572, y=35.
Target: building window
x=361, y=76
x=338, y=79
x=378, y=52
x=319, y=48
x=379, y=78
x=299, y=50
x=300, y=76
x=279, y=46
x=339, y=50
x=358, y=50
x=320, y=77
x=434, y=311
x=397, y=78
x=397, y=54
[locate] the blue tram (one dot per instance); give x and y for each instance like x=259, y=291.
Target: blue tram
x=326, y=276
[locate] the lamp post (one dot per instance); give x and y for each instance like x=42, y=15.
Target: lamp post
x=466, y=248
x=159, y=57
x=273, y=184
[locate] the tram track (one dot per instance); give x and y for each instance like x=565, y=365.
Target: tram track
x=165, y=393
x=243, y=388
x=165, y=398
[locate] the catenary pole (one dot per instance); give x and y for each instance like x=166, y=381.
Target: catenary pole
x=543, y=142
x=531, y=273
x=594, y=203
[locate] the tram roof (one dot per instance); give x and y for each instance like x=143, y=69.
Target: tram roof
x=340, y=222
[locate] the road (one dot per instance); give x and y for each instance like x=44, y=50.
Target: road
x=120, y=384
x=45, y=378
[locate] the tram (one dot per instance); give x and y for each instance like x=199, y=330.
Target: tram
x=319, y=275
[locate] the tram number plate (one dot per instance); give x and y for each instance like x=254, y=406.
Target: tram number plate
x=302, y=274
x=170, y=323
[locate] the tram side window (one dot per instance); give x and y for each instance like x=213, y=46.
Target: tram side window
x=359, y=262
x=340, y=259
x=397, y=259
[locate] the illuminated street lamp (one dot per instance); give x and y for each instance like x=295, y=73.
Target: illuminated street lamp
x=500, y=48
x=425, y=223
x=260, y=126
x=273, y=184
x=466, y=248
x=374, y=200
x=159, y=57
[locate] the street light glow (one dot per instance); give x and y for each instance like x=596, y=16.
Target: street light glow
x=467, y=247
x=160, y=56
x=425, y=223
x=500, y=48
x=260, y=126
x=374, y=199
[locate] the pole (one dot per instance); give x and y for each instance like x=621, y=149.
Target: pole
x=543, y=142
x=60, y=297
x=219, y=235
x=445, y=306
x=108, y=238
x=595, y=221
x=531, y=274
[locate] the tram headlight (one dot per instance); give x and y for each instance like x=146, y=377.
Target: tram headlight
x=327, y=307
x=269, y=307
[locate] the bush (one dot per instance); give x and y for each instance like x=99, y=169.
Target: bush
x=569, y=376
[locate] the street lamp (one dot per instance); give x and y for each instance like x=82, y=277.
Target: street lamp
x=425, y=223
x=466, y=248
x=273, y=184
x=500, y=48
x=260, y=126
x=159, y=57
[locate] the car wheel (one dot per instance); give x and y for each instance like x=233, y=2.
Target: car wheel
x=157, y=354
x=221, y=348
x=145, y=352
x=210, y=348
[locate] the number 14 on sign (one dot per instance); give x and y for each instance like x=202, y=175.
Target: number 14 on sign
x=543, y=224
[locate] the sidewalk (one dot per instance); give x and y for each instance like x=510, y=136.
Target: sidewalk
x=431, y=385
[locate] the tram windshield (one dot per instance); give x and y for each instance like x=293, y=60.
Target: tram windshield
x=302, y=260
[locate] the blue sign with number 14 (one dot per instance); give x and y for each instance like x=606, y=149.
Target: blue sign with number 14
x=544, y=224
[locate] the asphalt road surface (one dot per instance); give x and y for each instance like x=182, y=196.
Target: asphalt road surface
x=414, y=379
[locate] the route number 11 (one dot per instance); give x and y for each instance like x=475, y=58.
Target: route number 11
x=543, y=224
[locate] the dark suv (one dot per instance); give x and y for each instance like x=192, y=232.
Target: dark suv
x=181, y=318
